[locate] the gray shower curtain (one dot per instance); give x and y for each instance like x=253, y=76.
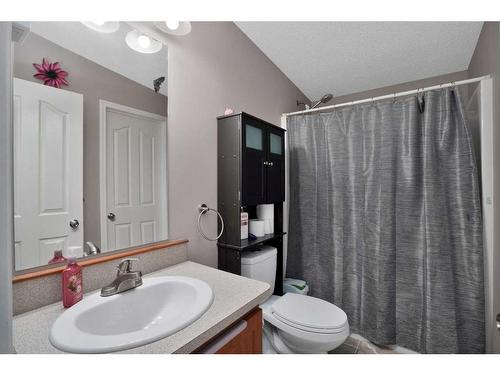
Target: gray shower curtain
x=385, y=220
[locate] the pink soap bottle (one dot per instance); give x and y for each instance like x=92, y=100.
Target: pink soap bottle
x=72, y=287
x=58, y=257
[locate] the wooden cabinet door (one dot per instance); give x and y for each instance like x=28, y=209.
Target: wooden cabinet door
x=248, y=341
x=275, y=166
x=253, y=173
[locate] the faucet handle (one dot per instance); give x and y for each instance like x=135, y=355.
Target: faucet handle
x=126, y=265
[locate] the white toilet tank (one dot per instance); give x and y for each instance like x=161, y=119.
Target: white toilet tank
x=260, y=265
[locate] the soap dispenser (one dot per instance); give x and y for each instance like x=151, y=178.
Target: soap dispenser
x=72, y=283
x=57, y=258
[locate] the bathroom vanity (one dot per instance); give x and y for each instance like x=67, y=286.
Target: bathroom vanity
x=232, y=324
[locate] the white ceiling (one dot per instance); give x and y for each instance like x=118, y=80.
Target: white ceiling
x=347, y=57
x=107, y=50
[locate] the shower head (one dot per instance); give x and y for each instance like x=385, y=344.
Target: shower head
x=325, y=99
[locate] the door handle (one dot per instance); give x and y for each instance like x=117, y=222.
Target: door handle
x=111, y=216
x=74, y=224
x=270, y=163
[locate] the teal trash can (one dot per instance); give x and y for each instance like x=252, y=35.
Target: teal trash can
x=295, y=286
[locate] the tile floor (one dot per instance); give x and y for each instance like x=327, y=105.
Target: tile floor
x=356, y=344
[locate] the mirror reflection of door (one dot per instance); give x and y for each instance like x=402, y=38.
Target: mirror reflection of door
x=134, y=184
x=59, y=153
x=48, y=170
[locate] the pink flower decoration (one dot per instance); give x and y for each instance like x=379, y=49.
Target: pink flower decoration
x=51, y=74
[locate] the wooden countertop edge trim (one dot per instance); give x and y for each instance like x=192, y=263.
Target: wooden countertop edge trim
x=100, y=259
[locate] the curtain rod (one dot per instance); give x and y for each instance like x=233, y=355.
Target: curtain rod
x=394, y=95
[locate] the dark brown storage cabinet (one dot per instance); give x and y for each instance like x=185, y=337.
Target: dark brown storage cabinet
x=250, y=171
x=262, y=162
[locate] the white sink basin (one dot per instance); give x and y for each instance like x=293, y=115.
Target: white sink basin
x=158, y=308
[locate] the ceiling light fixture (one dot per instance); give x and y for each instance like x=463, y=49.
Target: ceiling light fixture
x=142, y=43
x=174, y=27
x=102, y=27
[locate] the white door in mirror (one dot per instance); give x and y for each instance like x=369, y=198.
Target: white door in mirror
x=155, y=310
x=135, y=179
x=48, y=172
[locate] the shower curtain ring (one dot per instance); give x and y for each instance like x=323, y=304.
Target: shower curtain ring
x=418, y=92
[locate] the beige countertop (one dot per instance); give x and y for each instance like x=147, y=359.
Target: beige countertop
x=234, y=297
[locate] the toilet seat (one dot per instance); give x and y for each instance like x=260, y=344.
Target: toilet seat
x=309, y=314
x=309, y=329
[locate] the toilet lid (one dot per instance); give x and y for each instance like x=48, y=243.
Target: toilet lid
x=309, y=312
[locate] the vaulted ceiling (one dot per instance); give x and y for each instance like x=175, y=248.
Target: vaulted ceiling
x=347, y=57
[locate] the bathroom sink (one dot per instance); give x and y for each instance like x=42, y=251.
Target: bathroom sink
x=158, y=308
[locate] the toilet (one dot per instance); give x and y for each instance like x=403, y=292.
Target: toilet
x=294, y=323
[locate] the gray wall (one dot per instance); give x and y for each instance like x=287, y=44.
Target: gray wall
x=486, y=60
x=406, y=86
x=213, y=67
x=95, y=83
x=6, y=201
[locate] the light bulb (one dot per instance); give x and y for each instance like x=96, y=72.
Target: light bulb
x=172, y=25
x=144, y=41
x=102, y=26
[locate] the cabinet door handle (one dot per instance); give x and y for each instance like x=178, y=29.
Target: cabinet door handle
x=266, y=163
x=270, y=163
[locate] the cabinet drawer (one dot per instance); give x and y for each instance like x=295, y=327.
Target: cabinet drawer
x=243, y=337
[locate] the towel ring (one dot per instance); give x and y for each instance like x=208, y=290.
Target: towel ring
x=203, y=208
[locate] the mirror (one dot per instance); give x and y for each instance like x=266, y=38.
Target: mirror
x=90, y=141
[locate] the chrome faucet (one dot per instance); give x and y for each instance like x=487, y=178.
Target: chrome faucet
x=91, y=249
x=125, y=279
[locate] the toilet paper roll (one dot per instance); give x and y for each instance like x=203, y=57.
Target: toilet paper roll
x=268, y=226
x=265, y=211
x=257, y=227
